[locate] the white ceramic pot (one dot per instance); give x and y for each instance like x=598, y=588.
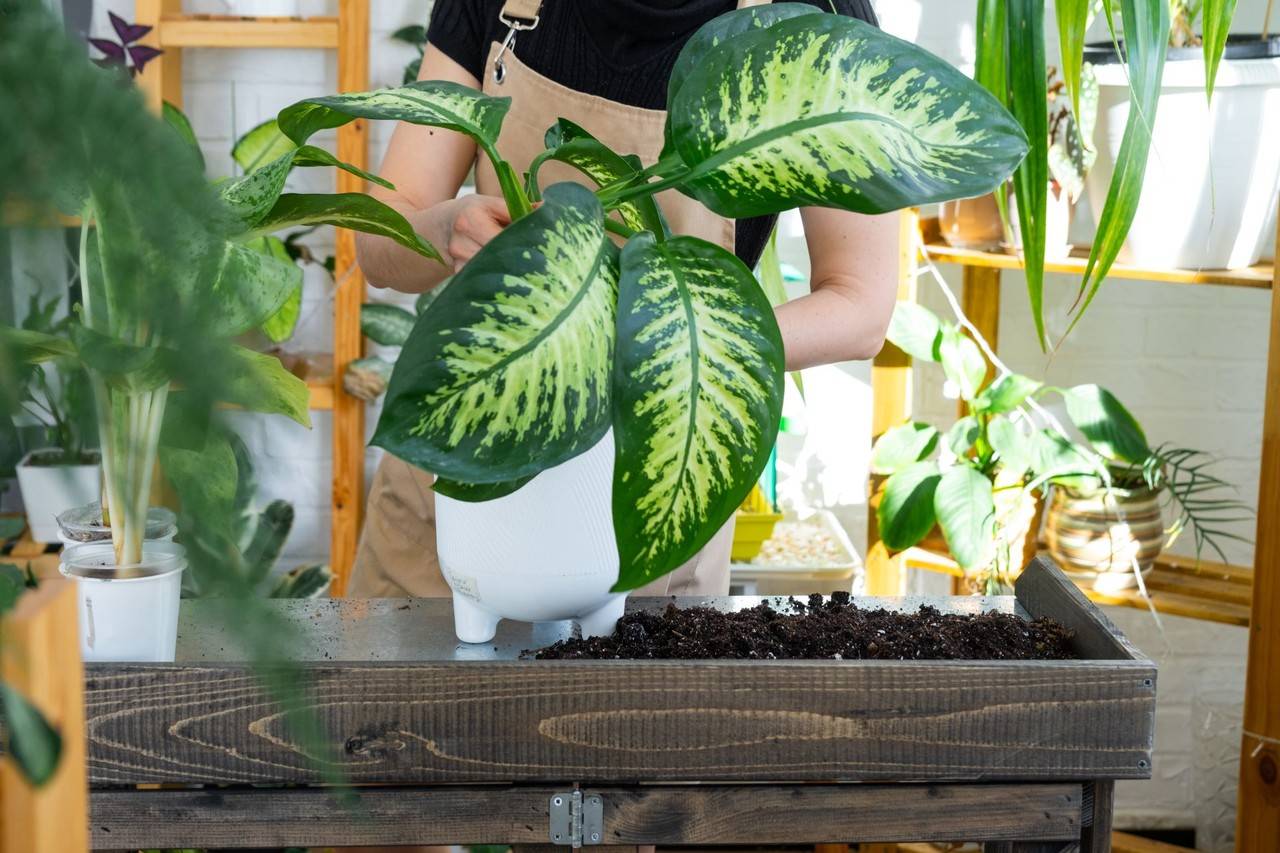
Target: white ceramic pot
x=1209, y=195
x=48, y=490
x=1057, y=225
x=127, y=613
x=546, y=552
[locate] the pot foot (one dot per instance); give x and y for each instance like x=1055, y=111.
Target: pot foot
x=471, y=622
x=601, y=623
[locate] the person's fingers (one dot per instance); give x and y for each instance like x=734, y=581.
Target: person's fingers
x=461, y=249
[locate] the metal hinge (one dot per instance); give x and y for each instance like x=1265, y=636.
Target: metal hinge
x=577, y=819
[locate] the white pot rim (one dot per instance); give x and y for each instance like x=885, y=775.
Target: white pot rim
x=26, y=460
x=1189, y=74
x=170, y=552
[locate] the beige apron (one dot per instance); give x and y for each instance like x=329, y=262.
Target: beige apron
x=397, y=553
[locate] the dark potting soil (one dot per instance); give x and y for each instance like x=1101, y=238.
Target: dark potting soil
x=831, y=629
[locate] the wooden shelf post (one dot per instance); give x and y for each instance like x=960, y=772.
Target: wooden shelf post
x=40, y=658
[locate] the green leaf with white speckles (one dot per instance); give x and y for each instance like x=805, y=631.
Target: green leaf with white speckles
x=508, y=373
x=697, y=397
x=830, y=111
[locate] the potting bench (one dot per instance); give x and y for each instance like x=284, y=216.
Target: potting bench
x=449, y=743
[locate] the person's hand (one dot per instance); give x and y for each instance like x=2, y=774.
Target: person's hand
x=474, y=221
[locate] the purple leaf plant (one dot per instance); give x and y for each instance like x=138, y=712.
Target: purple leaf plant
x=125, y=54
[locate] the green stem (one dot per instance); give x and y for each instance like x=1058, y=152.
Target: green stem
x=518, y=203
x=670, y=170
x=611, y=224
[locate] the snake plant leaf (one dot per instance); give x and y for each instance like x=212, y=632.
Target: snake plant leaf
x=356, y=211
x=902, y=446
x=1108, y=426
x=477, y=492
x=259, y=382
x=249, y=287
x=966, y=511
x=261, y=145
x=436, y=103
x=830, y=111
x=905, y=514
x=568, y=143
x=1028, y=95
x=697, y=398
x=388, y=325
x=724, y=27
x=916, y=330
x=1146, y=41
x=1215, y=20
x=508, y=372
x=279, y=326
x=32, y=744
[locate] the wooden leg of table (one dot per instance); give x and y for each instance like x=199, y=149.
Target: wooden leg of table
x=1258, y=810
x=1095, y=835
x=40, y=658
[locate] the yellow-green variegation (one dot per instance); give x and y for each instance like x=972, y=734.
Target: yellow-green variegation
x=508, y=372
x=696, y=402
x=830, y=111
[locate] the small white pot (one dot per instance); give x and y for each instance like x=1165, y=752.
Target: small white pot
x=263, y=8
x=544, y=553
x=1209, y=194
x=49, y=490
x=127, y=613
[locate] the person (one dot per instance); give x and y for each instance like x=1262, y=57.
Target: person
x=604, y=66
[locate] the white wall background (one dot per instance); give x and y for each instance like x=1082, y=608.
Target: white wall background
x=1189, y=361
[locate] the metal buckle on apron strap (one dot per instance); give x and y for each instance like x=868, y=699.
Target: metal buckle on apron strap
x=514, y=25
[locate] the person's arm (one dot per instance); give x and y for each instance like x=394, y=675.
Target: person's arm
x=427, y=165
x=854, y=284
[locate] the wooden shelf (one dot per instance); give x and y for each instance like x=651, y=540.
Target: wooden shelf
x=321, y=394
x=1258, y=276
x=234, y=31
x=1216, y=592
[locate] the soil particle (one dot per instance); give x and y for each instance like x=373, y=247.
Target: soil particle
x=834, y=629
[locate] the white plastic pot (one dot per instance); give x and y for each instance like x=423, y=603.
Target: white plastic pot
x=544, y=553
x=1209, y=194
x=127, y=613
x=48, y=490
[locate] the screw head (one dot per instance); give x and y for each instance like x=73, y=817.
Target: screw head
x=557, y=801
x=595, y=836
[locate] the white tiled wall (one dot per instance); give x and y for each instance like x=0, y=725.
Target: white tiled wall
x=1189, y=361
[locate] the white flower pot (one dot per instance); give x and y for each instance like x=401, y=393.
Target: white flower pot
x=48, y=490
x=127, y=613
x=1209, y=194
x=544, y=553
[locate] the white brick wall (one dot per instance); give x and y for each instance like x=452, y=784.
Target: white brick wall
x=1188, y=360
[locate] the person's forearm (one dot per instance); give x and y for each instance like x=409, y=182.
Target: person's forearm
x=828, y=326
x=386, y=263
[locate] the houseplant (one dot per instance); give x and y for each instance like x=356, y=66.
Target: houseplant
x=1011, y=45
x=551, y=345
x=64, y=472
x=979, y=482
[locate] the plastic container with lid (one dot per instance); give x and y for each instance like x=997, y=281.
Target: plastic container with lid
x=83, y=524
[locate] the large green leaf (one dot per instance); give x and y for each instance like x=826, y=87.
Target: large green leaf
x=254, y=194
x=476, y=492
x=962, y=361
x=697, y=398
x=963, y=434
x=181, y=125
x=1016, y=449
x=902, y=446
x=1006, y=393
x=828, y=110
x=1215, y=18
x=356, y=211
x=429, y=102
x=279, y=326
x=1064, y=462
x=1106, y=423
x=915, y=330
x=966, y=513
x=249, y=287
x=32, y=743
x=1028, y=85
x=905, y=514
x=508, y=373
x=568, y=143
x=389, y=325
x=1073, y=20
x=261, y=145
x=259, y=382
x=1146, y=40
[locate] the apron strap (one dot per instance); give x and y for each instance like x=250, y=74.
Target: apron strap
x=518, y=15
x=525, y=10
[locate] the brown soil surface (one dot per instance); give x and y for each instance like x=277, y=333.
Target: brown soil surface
x=831, y=629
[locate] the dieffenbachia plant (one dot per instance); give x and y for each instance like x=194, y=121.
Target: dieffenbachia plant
x=551, y=335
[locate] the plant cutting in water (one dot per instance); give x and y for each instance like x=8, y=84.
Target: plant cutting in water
x=551, y=335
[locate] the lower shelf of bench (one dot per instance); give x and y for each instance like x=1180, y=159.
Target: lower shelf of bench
x=642, y=814
x=1216, y=592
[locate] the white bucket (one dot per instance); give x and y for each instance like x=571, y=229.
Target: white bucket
x=48, y=490
x=1209, y=194
x=127, y=618
x=544, y=553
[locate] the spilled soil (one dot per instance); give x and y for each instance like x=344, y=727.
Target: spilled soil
x=829, y=629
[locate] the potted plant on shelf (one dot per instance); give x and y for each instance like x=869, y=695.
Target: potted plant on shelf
x=595, y=415
x=1209, y=200
x=981, y=481
x=64, y=472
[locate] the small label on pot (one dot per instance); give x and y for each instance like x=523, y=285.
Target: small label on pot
x=463, y=585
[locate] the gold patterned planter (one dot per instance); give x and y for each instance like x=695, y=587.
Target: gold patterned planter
x=1098, y=537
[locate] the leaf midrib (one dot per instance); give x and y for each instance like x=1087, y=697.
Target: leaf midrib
x=686, y=301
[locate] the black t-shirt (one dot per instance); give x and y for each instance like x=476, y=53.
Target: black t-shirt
x=622, y=50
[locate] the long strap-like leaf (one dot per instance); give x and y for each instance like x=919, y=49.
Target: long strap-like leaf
x=1073, y=20
x=1215, y=18
x=1029, y=105
x=1146, y=40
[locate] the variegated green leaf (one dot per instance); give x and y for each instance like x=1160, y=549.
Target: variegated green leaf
x=477, y=492
x=279, y=326
x=259, y=382
x=697, y=399
x=429, y=102
x=253, y=195
x=249, y=287
x=260, y=146
x=830, y=111
x=356, y=211
x=508, y=372
x=388, y=325
x=568, y=143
